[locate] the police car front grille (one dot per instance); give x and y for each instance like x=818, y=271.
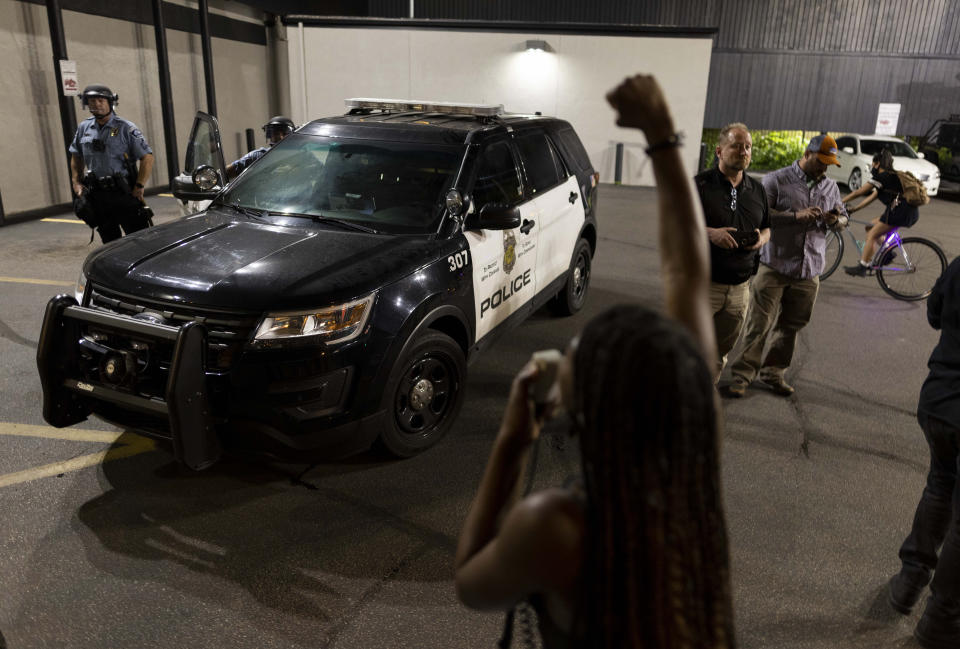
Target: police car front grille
x=227, y=331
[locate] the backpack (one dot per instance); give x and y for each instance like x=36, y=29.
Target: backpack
x=913, y=190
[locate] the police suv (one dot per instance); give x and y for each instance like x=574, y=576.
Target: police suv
x=330, y=296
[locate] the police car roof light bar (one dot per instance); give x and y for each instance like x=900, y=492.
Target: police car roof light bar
x=478, y=110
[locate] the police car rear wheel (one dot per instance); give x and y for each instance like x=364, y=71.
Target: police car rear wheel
x=425, y=395
x=573, y=295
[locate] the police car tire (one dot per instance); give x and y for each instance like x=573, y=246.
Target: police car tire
x=573, y=295
x=433, y=364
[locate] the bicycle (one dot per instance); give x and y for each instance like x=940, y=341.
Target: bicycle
x=906, y=268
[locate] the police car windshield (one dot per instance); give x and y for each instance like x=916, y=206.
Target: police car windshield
x=393, y=187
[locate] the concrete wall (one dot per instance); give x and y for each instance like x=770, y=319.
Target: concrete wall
x=492, y=67
x=33, y=170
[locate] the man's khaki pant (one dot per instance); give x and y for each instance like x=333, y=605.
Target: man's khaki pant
x=728, y=303
x=769, y=292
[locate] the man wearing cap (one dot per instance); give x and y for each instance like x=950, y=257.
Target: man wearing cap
x=803, y=204
x=103, y=168
x=276, y=129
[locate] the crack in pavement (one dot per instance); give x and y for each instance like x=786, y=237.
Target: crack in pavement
x=14, y=337
x=430, y=539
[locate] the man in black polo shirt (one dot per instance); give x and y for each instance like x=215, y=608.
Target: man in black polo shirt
x=735, y=207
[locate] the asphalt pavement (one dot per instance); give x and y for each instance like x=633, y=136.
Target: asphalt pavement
x=105, y=542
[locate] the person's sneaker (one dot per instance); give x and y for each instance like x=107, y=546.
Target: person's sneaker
x=737, y=388
x=933, y=633
x=904, y=594
x=778, y=385
x=857, y=270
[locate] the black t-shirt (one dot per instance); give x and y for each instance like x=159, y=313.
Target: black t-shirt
x=749, y=212
x=888, y=185
x=940, y=394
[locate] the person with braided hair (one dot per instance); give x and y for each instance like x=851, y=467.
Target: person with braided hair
x=636, y=555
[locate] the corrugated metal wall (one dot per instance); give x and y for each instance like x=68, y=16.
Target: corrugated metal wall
x=791, y=64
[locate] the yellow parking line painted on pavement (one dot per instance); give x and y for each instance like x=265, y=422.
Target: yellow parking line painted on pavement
x=27, y=280
x=68, y=434
x=136, y=446
x=166, y=195
x=64, y=221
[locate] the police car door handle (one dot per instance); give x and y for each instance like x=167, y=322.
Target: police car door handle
x=573, y=197
x=527, y=226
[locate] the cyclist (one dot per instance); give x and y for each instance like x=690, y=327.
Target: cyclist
x=885, y=184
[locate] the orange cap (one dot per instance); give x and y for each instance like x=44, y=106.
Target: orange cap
x=825, y=148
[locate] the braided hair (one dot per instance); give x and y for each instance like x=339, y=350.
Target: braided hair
x=656, y=569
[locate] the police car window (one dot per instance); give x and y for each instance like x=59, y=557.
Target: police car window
x=497, y=177
x=392, y=187
x=573, y=148
x=203, y=148
x=539, y=162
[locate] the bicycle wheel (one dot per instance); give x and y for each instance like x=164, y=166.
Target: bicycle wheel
x=833, y=255
x=910, y=270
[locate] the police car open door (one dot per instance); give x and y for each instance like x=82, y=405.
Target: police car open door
x=204, y=172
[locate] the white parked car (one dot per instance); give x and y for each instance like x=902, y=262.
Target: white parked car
x=856, y=156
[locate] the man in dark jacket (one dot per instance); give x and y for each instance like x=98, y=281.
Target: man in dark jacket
x=937, y=520
x=735, y=209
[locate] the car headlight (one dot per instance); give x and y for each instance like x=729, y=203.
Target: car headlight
x=338, y=323
x=80, y=287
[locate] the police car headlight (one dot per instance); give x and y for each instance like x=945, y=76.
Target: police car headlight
x=80, y=287
x=338, y=323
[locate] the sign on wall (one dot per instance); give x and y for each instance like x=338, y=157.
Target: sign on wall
x=68, y=75
x=887, y=117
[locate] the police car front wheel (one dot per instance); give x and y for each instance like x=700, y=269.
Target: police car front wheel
x=424, y=395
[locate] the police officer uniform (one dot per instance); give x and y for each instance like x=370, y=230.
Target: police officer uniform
x=276, y=129
x=249, y=159
x=110, y=153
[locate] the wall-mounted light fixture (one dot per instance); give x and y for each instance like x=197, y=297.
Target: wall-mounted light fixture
x=538, y=46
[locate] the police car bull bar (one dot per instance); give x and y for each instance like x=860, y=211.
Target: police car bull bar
x=68, y=400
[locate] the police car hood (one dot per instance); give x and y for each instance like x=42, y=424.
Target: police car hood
x=238, y=263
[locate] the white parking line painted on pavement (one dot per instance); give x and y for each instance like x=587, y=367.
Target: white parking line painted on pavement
x=134, y=446
x=28, y=280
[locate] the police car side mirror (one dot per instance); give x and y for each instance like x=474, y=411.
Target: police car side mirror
x=494, y=216
x=848, y=150
x=206, y=177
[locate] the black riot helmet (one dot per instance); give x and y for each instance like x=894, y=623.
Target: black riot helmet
x=96, y=90
x=279, y=126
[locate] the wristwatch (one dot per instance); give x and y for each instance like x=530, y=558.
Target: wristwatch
x=138, y=185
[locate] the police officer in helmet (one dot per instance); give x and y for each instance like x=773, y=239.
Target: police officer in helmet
x=104, y=170
x=276, y=129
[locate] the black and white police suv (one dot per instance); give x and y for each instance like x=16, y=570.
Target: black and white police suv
x=330, y=296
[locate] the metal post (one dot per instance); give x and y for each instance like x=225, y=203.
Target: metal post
x=207, y=58
x=251, y=140
x=166, y=96
x=68, y=114
x=618, y=168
